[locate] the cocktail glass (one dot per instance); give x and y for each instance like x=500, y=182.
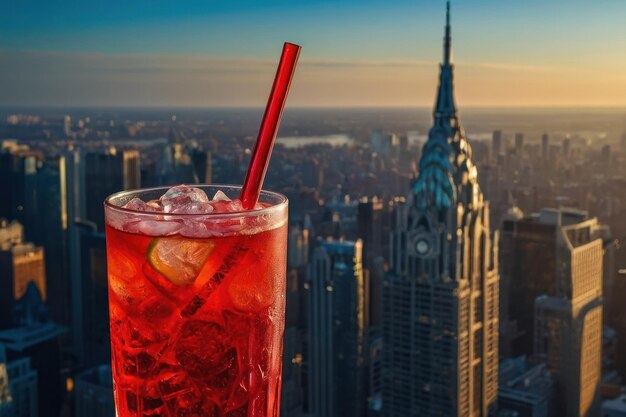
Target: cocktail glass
x=197, y=307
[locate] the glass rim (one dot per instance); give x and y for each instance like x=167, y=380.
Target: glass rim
x=281, y=203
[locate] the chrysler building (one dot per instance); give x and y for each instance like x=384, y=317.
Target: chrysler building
x=440, y=295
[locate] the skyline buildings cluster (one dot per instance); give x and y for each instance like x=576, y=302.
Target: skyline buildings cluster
x=416, y=284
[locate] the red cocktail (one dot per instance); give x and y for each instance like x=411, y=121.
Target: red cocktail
x=197, y=296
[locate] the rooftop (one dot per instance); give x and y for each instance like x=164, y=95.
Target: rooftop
x=617, y=404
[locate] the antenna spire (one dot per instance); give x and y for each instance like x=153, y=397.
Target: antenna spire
x=447, y=57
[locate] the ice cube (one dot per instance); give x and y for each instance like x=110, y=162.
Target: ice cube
x=155, y=204
x=235, y=205
x=220, y=196
x=198, y=207
x=151, y=406
x=137, y=335
x=179, y=260
x=202, y=348
x=148, y=402
x=219, y=386
x=156, y=308
x=138, y=204
x=124, y=267
x=174, y=385
x=141, y=364
x=145, y=363
x=158, y=227
x=180, y=198
x=131, y=401
x=194, y=228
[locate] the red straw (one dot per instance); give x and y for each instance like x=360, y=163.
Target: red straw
x=269, y=126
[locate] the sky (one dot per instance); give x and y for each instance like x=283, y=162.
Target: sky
x=355, y=52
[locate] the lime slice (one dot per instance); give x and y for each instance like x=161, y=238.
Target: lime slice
x=179, y=260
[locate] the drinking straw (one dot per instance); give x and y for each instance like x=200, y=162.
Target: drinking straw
x=269, y=126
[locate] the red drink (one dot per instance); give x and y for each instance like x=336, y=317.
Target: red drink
x=197, y=322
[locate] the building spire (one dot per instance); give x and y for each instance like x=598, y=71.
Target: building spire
x=447, y=53
x=445, y=107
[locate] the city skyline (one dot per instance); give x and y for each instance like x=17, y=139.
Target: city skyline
x=557, y=54
x=438, y=262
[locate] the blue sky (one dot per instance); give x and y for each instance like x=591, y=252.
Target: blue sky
x=586, y=39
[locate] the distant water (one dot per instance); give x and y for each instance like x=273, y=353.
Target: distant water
x=299, y=141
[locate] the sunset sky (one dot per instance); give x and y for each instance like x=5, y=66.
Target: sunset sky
x=355, y=52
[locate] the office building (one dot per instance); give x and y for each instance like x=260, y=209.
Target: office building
x=291, y=397
x=89, y=306
x=203, y=165
x=567, y=148
x=371, y=219
x=568, y=324
x=527, y=248
x=496, y=144
x=440, y=297
x=107, y=173
x=19, y=172
x=519, y=144
x=374, y=372
x=545, y=147
x=335, y=362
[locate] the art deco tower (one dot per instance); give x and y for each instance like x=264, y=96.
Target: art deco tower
x=440, y=297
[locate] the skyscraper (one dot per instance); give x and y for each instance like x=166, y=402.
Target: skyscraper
x=336, y=330
x=496, y=144
x=529, y=249
x=90, y=307
x=568, y=325
x=519, y=144
x=545, y=147
x=67, y=125
x=440, y=297
x=107, y=173
x=18, y=170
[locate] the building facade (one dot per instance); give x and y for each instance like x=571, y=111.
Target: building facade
x=440, y=297
x=20, y=264
x=335, y=362
x=108, y=173
x=568, y=326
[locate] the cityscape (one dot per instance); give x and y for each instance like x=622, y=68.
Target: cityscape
x=442, y=261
